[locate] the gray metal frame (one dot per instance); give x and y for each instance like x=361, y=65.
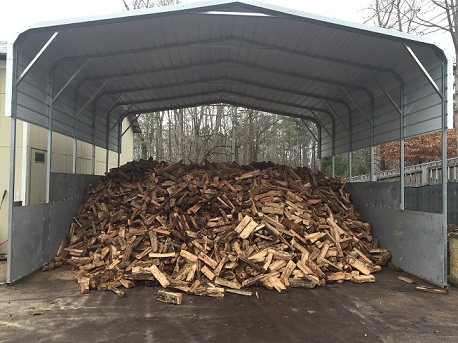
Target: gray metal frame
x=387, y=86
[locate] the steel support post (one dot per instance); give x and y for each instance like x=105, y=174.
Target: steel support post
x=107, y=153
x=333, y=148
x=445, y=66
x=350, y=165
x=319, y=147
x=401, y=157
x=75, y=148
x=49, y=147
x=333, y=167
x=372, y=138
x=13, y=64
x=94, y=111
x=119, y=142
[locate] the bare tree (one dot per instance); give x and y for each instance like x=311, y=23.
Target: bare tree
x=137, y=4
x=219, y=133
x=421, y=17
x=398, y=15
x=442, y=16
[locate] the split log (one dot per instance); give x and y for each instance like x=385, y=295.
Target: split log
x=363, y=278
x=169, y=297
x=216, y=292
x=160, y=277
x=194, y=227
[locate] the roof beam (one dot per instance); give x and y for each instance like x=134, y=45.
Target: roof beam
x=312, y=110
x=242, y=82
x=235, y=103
x=234, y=93
x=221, y=64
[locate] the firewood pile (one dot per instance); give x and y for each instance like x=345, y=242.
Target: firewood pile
x=218, y=228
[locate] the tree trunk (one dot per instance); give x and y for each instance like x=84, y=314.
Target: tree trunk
x=159, y=136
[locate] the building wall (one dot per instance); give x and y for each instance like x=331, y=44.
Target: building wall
x=127, y=143
x=62, y=151
x=30, y=137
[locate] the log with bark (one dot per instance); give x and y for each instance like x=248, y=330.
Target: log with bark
x=202, y=229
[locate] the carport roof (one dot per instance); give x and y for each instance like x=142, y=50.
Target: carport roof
x=359, y=84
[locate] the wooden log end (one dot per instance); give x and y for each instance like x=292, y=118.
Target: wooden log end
x=169, y=297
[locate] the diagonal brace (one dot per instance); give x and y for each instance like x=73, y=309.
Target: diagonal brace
x=387, y=95
x=121, y=118
x=425, y=72
x=75, y=74
x=91, y=98
x=321, y=124
x=335, y=115
x=309, y=130
x=352, y=99
x=130, y=125
x=36, y=58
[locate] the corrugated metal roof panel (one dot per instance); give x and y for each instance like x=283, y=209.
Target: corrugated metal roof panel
x=275, y=60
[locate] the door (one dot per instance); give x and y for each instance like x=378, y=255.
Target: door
x=37, y=191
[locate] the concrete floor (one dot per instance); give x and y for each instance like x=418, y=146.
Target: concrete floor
x=386, y=311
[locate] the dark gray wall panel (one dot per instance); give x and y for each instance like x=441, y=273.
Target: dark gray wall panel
x=39, y=229
x=429, y=199
x=416, y=239
x=387, y=227
x=28, y=240
x=60, y=217
x=70, y=186
x=422, y=246
x=375, y=194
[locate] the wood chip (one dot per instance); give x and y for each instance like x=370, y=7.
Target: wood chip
x=431, y=290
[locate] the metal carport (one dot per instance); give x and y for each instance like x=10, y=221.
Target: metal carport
x=361, y=86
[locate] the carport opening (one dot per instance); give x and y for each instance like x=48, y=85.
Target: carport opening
x=225, y=133
x=361, y=86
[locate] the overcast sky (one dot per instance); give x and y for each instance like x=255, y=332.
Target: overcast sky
x=19, y=14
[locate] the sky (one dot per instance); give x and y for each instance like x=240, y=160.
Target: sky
x=19, y=14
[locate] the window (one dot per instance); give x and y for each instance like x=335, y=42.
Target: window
x=39, y=157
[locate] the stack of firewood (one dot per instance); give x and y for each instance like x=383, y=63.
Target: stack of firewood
x=217, y=228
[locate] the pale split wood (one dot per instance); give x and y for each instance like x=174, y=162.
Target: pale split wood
x=160, y=277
